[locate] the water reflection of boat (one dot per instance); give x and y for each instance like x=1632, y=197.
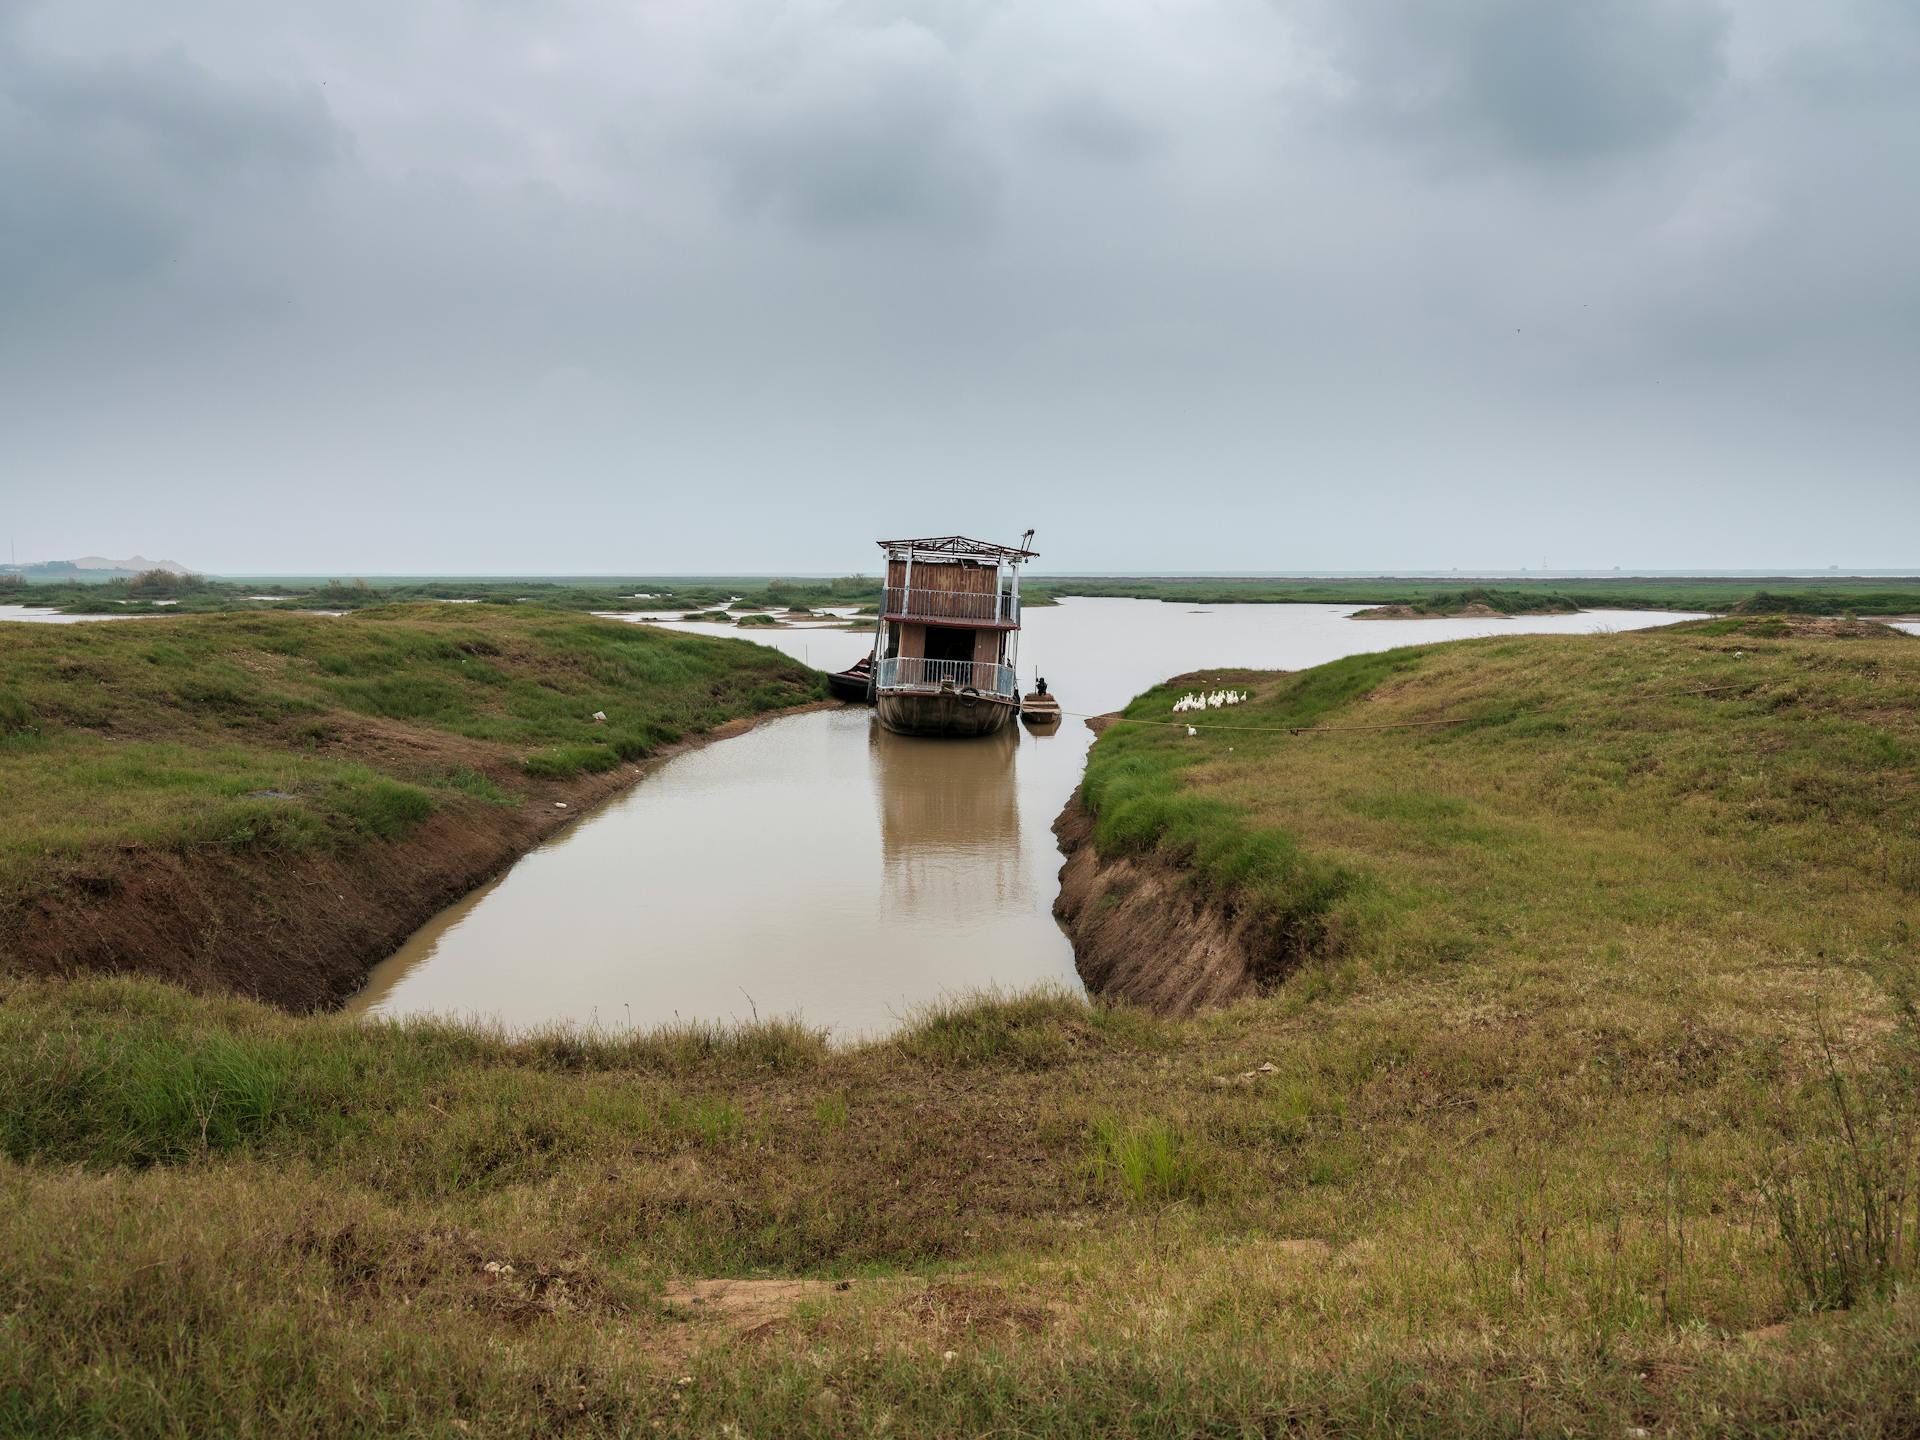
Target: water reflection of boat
x=949, y=825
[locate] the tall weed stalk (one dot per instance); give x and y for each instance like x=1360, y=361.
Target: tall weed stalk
x=1846, y=1201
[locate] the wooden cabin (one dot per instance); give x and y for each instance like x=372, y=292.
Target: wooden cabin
x=946, y=643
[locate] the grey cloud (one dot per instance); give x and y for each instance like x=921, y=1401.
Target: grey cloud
x=1546, y=271
x=174, y=111
x=853, y=128
x=106, y=168
x=1544, y=80
x=1094, y=125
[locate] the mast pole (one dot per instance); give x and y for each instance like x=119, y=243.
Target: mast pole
x=1013, y=646
x=1026, y=541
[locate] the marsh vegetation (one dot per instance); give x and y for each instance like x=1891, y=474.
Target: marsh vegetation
x=1588, y=1107
x=1822, y=595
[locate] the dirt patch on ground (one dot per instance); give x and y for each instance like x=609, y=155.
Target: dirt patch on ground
x=749, y=1307
x=1139, y=933
x=301, y=931
x=944, y=1312
x=951, y=1310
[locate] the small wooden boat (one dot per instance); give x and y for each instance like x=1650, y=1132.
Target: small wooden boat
x=855, y=683
x=1039, y=709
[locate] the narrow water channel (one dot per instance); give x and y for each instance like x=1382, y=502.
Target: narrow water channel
x=820, y=868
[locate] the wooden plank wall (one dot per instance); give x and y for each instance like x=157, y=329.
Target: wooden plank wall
x=947, y=576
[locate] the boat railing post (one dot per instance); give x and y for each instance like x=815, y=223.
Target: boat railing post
x=1013, y=637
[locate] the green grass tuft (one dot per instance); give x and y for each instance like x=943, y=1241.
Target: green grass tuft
x=470, y=782
x=1148, y=1160
x=386, y=809
x=16, y=716
x=564, y=762
x=147, y=1097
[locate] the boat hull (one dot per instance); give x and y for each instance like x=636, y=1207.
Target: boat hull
x=1041, y=712
x=851, y=686
x=943, y=713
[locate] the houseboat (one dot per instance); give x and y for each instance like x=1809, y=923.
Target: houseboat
x=947, y=638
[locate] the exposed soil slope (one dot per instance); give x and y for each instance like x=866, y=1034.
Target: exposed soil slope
x=1142, y=932
x=296, y=930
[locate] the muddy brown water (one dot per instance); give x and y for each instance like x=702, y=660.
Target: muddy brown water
x=820, y=868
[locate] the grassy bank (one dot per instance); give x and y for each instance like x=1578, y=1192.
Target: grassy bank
x=1835, y=595
x=1584, y=1113
x=163, y=593
x=1744, y=780
x=138, y=756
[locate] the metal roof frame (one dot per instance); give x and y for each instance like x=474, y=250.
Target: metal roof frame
x=960, y=547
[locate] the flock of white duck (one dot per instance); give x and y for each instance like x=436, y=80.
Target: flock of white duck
x=1210, y=700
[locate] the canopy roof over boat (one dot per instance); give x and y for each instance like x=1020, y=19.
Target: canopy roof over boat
x=961, y=548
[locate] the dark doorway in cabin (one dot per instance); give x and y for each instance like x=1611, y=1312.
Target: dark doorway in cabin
x=944, y=643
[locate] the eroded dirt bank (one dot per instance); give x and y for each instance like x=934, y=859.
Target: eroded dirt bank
x=1141, y=933
x=300, y=931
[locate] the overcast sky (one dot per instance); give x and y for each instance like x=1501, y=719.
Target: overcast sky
x=583, y=286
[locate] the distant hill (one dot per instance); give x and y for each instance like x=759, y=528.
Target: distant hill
x=93, y=567
x=133, y=564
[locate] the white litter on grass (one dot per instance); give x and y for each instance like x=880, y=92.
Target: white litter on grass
x=559, y=804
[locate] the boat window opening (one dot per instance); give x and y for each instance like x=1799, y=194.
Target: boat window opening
x=944, y=643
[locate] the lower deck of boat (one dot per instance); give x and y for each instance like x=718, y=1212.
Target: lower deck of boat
x=944, y=713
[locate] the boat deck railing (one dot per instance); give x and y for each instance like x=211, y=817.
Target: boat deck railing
x=983, y=609
x=904, y=672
